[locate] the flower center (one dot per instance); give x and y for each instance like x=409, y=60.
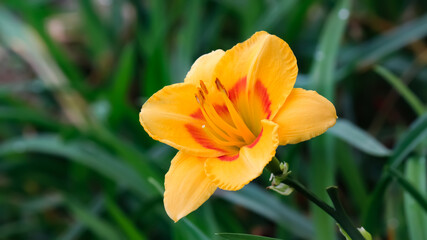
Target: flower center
x=224, y=124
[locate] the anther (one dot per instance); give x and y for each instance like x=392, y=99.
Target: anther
x=204, y=88
x=202, y=95
x=219, y=85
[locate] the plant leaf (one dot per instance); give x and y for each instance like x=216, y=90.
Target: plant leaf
x=403, y=90
x=356, y=137
x=123, y=221
x=240, y=236
x=416, y=133
x=266, y=205
x=99, y=227
x=373, y=50
x=416, y=218
x=85, y=153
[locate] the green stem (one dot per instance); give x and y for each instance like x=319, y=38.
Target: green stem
x=337, y=212
x=341, y=216
x=309, y=195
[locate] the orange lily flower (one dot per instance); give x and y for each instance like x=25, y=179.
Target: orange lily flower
x=227, y=118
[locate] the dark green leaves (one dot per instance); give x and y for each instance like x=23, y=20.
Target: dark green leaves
x=358, y=138
x=239, y=236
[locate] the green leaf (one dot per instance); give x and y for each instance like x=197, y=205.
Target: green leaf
x=28, y=115
x=98, y=226
x=358, y=138
x=409, y=187
x=413, y=174
x=85, y=153
x=187, y=40
x=240, y=236
x=322, y=80
x=366, y=54
x=416, y=216
x=123, y=74
x=403, y=90
x=96, y=31
x=272, y=16
x=123, y=221
x=265, y=204
x=322, y=72
x=14, y=228
x=121, y=83
x=416, y=133
x=191, y=231
x=78, y=227
x=352, y=175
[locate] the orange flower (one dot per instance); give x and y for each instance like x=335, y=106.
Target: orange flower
x=228, y=117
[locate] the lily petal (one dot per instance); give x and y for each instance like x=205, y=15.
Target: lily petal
x=259, y=74
x=305, y=115
x=186, y=186
x=172, y=116
x=203, y=68
x=233, y=172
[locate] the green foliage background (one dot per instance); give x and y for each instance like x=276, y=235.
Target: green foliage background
x=76, y=164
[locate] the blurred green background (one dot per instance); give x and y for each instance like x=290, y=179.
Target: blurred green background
x=76, y=164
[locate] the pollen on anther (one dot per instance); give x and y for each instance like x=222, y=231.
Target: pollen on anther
x=204, y=88
x=219, y=86
x=203, y=126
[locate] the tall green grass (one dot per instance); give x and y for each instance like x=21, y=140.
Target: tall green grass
x=76, y=164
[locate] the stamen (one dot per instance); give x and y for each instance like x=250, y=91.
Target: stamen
x=220, y=87
x=204, y=88
x=230, y=131
x=247, y=135
x=220, y=132
x=219, y=121
x=221, y=142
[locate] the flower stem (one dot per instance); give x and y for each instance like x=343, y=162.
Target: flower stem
x=337, y=212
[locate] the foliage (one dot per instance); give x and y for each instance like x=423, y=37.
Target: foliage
x=76, y=164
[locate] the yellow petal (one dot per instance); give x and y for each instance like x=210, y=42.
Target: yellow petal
x=263, y=68
x=186, y=186
x=203, y=68
x=233, y=172
x=172, y=116
x=305, y=115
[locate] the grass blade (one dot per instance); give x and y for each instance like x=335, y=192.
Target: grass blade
x=85, y=153
x=124, y=222
x=351, y=174
x=239, y=236
x=358, y=138
x=416, y=133
x=16, y=228
x=99, y=227
x=403, y=90
x=263, y=203
x=190, y=230
x=372, y=51
x=28, y=115
x=416, y=218
x=322, y=78
x=413, y=174
x=99, y=38
x=273, y=15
